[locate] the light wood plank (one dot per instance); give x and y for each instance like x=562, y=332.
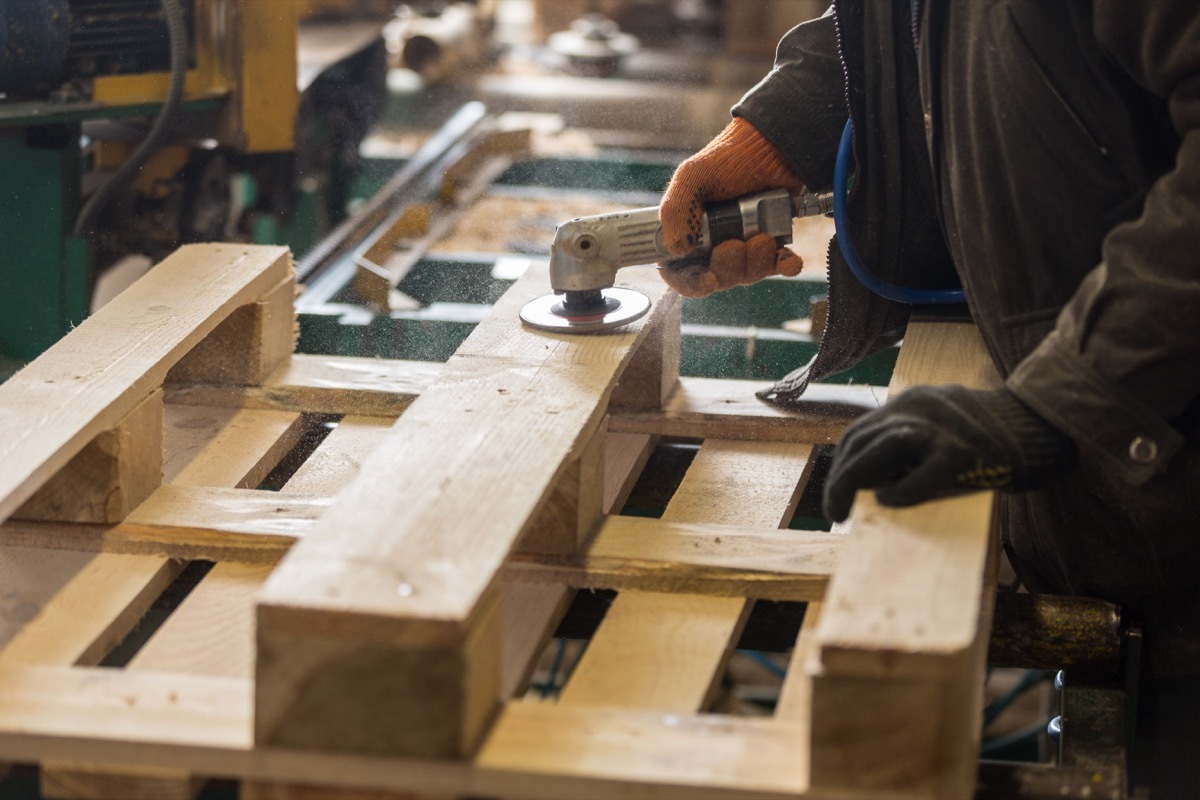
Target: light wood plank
x=248, y=444
x=66, y=782
x=190, y=512
x=212, y=631
x=625, y=455
x=903, y=625
x=385, y=564
x=322, y=384
x=905, y=599
x=644, y=554
x=795, y=698
x=93, y=612
x=95, y=375
x=727, y=409
x=943, y=352
x=601, y=752
x=159, y=721
x=29, y=578
x=339, y=457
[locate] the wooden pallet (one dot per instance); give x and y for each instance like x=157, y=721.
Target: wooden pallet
x=369, y=629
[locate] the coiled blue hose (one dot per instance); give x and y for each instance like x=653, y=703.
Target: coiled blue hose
x=901, y=294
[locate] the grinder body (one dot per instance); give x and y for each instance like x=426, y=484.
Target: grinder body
x=587, y=252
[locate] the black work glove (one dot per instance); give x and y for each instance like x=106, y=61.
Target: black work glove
x=935, y=441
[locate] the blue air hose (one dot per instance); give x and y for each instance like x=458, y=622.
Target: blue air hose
x=901, y=294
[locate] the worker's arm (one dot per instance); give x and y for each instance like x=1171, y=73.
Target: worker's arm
x=786, y=125
x=1123, y=363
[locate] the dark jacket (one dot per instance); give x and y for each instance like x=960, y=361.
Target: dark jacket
x=1046, y=155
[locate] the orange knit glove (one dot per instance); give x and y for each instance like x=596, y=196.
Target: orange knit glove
x=739, y=161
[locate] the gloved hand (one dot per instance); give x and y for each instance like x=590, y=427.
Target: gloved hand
x=937, y=441
x=739, y=161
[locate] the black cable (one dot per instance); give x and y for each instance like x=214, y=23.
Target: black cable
x=177, y=34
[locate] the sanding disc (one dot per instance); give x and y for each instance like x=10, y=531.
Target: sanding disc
x=621, y=306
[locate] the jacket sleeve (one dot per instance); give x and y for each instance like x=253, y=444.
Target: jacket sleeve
x=1123, y=362
x=800, y=106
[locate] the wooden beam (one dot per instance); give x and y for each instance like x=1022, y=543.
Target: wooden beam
x=903, y=626
x=93, y=377
x=248, y=345
x=380, y=597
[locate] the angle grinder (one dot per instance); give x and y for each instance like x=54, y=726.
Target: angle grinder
x=588, y=251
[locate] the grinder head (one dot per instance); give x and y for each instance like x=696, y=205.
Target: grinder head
x=589, y=311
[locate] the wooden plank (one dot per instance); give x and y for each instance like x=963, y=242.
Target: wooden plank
x=212, y=631
x=339, y=457
x=663, y=651
x=93, y=612
x=905, y=599
x=644, y=554
x=110, y=476
x=247, y=445
x=903, y=625
x=29, y=578
x=943, y=352
x=178, y=541
x=95, y=375
x=625, y=455
x=602, y=753
x=322, y=384
x=66, y=782
x=190, y=512
x=571, y=511
x=382, y=574
x=795, y=698
x=162, y=721
x=653, y=374
x=728, y=409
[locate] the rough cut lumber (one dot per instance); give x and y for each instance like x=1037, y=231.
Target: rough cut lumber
x=633, y=553
x=382, y=597
x=728, y=409
x=93, y=612
x=246, y=446
x=901, y=643
x=92, y=378
x=110, y=476
x=323, y=385
x=31, y=577
x=248, y=345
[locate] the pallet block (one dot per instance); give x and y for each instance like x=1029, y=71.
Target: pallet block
x=369, y=629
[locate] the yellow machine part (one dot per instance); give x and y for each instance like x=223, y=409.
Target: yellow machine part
x=246, y=52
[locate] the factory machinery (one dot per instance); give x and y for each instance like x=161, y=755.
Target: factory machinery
x=129, y=127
